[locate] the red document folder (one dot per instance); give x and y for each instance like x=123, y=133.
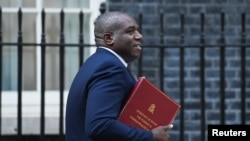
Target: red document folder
x=148, y=107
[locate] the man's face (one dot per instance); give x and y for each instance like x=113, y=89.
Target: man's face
x=127, y=39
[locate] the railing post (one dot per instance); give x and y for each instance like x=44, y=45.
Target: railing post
x=61, y=76
x=161, y=49
x=182, y=83
x=202, y=79
x=43, y=48
x=19, y=79
x=81, y=38
x=222, y=69
x=243, y=68
x=102, y=7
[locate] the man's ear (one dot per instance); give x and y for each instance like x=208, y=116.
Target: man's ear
x=108, y=38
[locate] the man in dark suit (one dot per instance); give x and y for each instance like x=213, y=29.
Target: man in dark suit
x=103, y=83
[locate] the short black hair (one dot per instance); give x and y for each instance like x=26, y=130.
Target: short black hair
x=107, y=22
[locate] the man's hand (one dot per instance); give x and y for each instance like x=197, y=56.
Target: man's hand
x=160, y=133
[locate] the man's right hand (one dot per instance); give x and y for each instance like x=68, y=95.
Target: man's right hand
x=160, y=133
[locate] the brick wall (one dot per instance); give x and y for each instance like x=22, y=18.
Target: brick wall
x=192, y=10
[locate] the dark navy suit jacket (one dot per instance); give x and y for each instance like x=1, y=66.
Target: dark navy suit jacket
x=95, y=99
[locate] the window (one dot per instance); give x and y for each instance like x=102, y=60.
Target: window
x=31, y=33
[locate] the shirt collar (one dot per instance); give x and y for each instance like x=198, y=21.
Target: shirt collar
x=117, y=55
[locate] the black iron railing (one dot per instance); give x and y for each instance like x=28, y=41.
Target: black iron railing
x=162, y=47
